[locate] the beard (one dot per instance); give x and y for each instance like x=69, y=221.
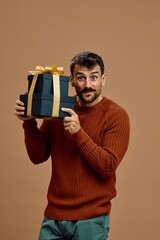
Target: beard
x=88, y=99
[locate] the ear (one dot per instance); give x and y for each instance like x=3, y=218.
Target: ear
x=103, y=79
x=72, y=81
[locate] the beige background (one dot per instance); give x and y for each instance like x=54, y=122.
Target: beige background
x=126, y=34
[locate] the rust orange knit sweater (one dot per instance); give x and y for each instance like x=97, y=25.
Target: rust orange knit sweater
x=83, y=164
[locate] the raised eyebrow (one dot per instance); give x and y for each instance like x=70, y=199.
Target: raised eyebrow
x=79, y=73
x=94, y=73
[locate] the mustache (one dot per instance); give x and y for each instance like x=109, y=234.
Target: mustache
x=88, y=90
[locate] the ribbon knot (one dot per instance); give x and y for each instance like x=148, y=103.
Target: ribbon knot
x=54, y=70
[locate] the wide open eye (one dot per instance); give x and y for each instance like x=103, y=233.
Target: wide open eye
x=81, y=78
x=94, y=77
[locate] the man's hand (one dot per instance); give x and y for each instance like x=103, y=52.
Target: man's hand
x=19, y=110
x=71, y=124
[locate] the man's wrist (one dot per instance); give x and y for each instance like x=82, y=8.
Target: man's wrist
x=30, y=123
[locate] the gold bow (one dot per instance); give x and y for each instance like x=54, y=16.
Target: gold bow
x=51, y=70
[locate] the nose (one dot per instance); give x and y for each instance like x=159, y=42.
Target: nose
x=87, y=83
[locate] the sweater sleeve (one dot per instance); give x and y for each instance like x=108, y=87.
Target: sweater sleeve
x=105, y=158
x=37, y=140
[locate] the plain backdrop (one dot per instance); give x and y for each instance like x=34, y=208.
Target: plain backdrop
x=126, y=34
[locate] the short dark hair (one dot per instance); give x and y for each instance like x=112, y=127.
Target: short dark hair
x=87, y=59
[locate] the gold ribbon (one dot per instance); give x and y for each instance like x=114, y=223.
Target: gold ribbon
x=56, y=102
x=52, y=70
x=55, y=71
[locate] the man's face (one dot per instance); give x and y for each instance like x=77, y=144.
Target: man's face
x=88, y=83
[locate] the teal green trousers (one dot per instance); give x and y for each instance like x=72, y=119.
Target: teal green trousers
x=90, y=229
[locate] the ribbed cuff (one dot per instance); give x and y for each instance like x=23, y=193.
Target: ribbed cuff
x=28, y=124
x=81, y=137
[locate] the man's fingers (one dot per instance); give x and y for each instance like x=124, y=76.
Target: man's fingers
x=18, y=113
x=19, y=108
x=68, y=119
x=20, y=116
x=66, y=124
x=71, y=124
x=18, y=102
x=70, y=111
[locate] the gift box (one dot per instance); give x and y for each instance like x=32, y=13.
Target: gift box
x=44, y=84
x=42, y=105
x=47, y=93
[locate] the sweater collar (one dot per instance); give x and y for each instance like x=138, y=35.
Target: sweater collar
x=87, y=109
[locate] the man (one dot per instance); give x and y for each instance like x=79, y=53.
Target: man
x=85, y=148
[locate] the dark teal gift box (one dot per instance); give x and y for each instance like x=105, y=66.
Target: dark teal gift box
x=44, y=84
x=42, y=104
x=41, y=100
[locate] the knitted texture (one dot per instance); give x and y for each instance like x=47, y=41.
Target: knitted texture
x=83, y=164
